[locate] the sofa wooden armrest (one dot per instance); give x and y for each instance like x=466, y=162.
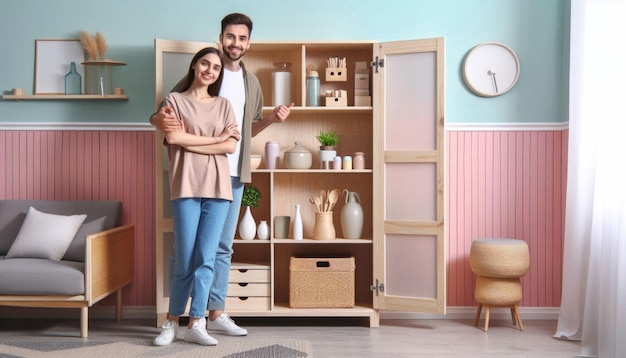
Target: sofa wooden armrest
x=109, y=266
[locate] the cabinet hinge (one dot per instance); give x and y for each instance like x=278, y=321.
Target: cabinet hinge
x=377, y=287
x=376, y=63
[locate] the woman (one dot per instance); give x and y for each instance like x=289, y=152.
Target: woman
x=200, y=190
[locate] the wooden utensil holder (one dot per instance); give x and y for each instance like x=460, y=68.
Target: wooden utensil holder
x=324, y=229
x=336, y=74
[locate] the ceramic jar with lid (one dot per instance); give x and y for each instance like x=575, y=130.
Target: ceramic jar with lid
x=298, y=157
x=358, y=160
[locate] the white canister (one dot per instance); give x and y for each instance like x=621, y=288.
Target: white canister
x=281, y=84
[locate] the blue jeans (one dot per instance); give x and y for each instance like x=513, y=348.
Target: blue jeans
x=219, y=288
x=198, y=223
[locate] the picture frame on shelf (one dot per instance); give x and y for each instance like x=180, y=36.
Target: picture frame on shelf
x=52, y=63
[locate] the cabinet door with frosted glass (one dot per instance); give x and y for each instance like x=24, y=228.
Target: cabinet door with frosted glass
x=172, y=60
x=409, y=240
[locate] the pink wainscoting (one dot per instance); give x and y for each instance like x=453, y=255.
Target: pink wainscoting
x=507, y=184
x=77, y=165
x=500, y=184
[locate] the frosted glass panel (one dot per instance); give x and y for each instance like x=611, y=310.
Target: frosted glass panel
x=175, y=67
x=411, y=266
x=168, y=249
x=411, y=191
x=167, y=201
x=410, y=95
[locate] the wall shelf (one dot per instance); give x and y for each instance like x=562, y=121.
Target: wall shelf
x=64, y=97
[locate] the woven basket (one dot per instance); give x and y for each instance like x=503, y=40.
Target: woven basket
x=321, y=282
x=498, y=291
x=500, y=258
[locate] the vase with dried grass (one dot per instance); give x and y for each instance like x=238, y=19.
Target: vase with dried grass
x=97, y=67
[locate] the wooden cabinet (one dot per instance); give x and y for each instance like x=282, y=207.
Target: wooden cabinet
x=362, y=129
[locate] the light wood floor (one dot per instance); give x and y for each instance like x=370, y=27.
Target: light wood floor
x=339, y=338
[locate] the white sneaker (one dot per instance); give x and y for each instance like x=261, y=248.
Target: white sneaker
x=225, y=325
x=198, y=334
x=167, y=335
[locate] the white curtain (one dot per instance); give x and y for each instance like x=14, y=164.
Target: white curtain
x=593, y=306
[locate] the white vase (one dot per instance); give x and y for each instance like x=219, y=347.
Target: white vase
x=352, y=216
x=263, y=231
x=247, y=225
x=297, y=224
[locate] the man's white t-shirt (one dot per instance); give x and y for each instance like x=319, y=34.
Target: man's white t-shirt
x=234, y=90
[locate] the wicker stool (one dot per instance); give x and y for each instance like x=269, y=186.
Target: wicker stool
x=498, y=265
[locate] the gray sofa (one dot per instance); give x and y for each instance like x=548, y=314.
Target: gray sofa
x=98, y=262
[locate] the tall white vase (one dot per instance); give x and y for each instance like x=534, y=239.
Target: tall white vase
x=297, y=224
x=247, y=225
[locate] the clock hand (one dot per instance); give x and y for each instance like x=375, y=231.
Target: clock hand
x=493, y=80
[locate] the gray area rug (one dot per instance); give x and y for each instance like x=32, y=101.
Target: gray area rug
x=96, y=349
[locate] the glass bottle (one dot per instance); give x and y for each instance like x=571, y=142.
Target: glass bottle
x=313, y=89
x=281, y=84
x=72, y=80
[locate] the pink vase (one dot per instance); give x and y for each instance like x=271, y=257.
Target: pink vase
x=272, y=154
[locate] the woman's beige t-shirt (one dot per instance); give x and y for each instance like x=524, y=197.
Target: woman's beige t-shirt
x=194, y=175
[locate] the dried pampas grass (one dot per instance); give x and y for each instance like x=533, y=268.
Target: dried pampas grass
x=89, y=44
x=102, y=45
x=95, y=46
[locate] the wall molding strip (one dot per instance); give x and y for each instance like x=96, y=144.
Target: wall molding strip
x=495, y=127
x=141, y=126
x=76, y=126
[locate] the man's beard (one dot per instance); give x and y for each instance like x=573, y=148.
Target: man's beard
x=229, y=55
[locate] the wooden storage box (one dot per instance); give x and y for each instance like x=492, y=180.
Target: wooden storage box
x=336, y=74
x=321, y=282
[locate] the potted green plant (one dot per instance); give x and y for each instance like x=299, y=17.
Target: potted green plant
x=251, y=196
x=328, y=140
x=247, y=226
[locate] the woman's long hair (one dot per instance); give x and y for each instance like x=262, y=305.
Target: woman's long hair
x=185, y=83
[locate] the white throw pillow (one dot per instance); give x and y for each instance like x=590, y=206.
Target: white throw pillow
x=44, y=235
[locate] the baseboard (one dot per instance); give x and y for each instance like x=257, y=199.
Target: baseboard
x=527, y=313
x=149, y=312
x=134, y=312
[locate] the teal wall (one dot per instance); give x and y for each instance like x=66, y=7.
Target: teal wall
x=537, y=30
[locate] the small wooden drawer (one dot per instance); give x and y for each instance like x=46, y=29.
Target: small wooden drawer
x=336, y=101
x=244, y=303
x=249, y=289
x=249, y=276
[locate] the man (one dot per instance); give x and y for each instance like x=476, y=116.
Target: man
x=243, y=90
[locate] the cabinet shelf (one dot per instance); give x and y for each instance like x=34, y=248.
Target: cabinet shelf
x=64, y=97
x=313, y=242
x=315, y=171
x=322, y=109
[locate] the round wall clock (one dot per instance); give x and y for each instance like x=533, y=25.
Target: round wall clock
x=491, y=69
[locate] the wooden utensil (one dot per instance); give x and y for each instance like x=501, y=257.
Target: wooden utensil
x=333, y=196
x=318, y=203
x=323, y=198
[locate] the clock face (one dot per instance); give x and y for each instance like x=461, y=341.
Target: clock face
x=491, y=69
